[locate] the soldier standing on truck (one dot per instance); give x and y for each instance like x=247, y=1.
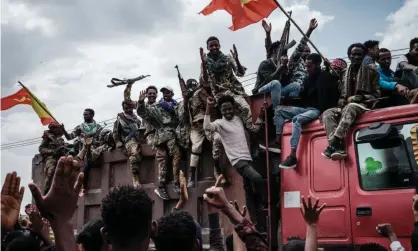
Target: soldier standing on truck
x=163, y=118
x=52, y=148
x=197, y=134
x=126, y=134
x=218, y=69
x=359, y=92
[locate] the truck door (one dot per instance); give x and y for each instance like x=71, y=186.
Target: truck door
x=321, y=178
x=382, y=183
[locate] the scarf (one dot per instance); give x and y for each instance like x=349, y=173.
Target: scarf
x=216, y=63
x=168, y=106
x=89, y=129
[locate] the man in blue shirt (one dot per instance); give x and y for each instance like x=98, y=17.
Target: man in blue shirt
x=391, y=85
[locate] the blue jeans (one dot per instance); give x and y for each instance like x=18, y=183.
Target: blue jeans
x=299, y=116
x=277, y=91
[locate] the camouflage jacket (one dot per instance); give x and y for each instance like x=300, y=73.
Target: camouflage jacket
x=163, y=121
x=183, y=128
x=149, y=131
x=226, y=83
x=198, y=109
x=52, y=145
x=297, y=69
x=79, y=130
x=126, y=127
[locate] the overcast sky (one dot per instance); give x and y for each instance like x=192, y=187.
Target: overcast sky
x=67, y=51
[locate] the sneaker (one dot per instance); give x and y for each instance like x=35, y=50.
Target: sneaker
x=273, y=147
x=328, y=152
x=176, y=187
x=338, y=154
x=162, y=193
x=289, y=163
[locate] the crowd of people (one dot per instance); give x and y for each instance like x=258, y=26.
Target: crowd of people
x=215, y=108
x=126, y=220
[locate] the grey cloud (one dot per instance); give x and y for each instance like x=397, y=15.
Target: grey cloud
x=79, y=21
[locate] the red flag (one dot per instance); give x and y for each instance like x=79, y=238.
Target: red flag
x=243, y=12
x=24, y=96
x=19, y=98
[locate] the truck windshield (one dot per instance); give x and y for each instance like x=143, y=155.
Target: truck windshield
x=388, y=166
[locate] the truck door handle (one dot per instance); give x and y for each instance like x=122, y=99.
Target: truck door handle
x=363, y=211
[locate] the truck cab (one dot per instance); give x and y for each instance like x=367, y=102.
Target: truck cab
x=373, y=185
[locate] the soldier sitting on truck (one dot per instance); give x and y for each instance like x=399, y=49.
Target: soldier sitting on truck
x=232, y=134
x=359, y=91
x=126, y=134
x=163, y=118
x=89, y=128
x=218, y=69
x=197, y=134
x=271, y=70
x=52, y=148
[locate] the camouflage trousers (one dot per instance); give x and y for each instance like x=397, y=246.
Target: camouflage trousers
x=49, y=171
x=245, y=111
x=133, y=150
x=171, y=148
x=338, y=121
x=197, y=137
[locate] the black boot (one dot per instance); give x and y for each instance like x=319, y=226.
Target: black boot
x=192, y=177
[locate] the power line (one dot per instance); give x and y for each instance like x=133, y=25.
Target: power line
x=33, y=141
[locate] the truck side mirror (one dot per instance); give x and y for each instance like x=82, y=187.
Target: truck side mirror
x=380, y=136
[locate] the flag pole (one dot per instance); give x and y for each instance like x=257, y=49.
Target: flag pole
x=301, y=31
x=37, y=101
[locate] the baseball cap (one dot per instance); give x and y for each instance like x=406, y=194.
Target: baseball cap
x=168, y=88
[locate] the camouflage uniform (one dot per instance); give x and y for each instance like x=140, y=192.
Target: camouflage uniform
x=126, y=131
x=87, y=129
x=337, y=121
x=52, y=148
x=183, y=128
x=226, y=83
x=197, y=134
x=165, y=124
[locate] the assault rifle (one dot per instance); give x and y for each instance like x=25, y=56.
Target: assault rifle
x=116, y=82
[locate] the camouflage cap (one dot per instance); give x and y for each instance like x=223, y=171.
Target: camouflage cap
x=168, y=88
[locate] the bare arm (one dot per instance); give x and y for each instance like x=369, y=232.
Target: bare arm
x=405, y=66
x=207, y=124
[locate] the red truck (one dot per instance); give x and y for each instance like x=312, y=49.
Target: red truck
x=375, y=184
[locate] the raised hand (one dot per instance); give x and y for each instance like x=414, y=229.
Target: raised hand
x=244, y=208
x=184, y=196
x=11, y=199
x=234, y=52
x=311, y=213
x=210, y=101
x=142, y=96
x=202, y=55
x=61, y=201
x=313, y=24
x=215, y=195
x=267, y=27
